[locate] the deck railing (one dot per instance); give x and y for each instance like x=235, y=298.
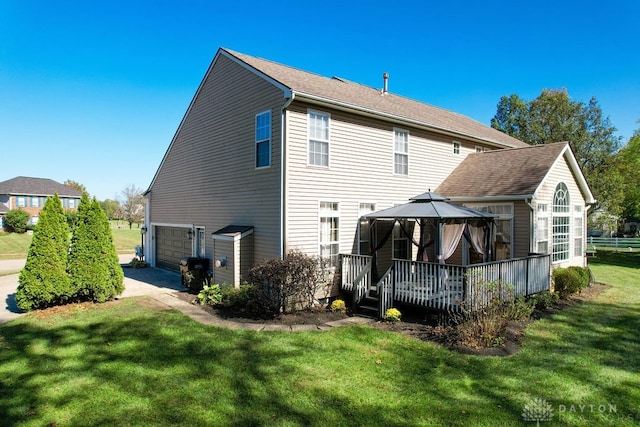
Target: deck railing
x=447, y=287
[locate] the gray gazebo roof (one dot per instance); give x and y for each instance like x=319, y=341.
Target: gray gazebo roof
x=429, y=205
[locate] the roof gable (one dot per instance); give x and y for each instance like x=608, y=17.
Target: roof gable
x=343, y=93
x=511, y=173
x=28, y=186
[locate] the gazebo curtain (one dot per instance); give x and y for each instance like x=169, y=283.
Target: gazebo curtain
x=476, y=235
x=451, y=234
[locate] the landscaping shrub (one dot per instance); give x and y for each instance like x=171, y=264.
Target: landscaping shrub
x=209, y=295
x=567, y=281
x=244, y=298
x=15, y=220
x=289, y=283
x=544, y=300
x=43, y=281
x=520, y=309
x=93, y=263
x=483, y=324
x=584, y=273
x=392, y=315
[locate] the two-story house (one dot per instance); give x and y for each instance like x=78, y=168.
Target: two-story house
x=29, y=195
x=269, y=158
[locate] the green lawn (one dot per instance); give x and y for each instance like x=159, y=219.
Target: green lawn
x=16, y=246
x=126, y=364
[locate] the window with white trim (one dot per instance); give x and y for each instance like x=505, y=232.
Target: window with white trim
x=263, y=139
x=400, y=240
x=364, y=233
x=561, y=223
x=456, y=147
x=72, y=203
x=503, y=230
x=542, y=228
x=400, y=152
x=318, y=133
x=578, y=231
x=329, y=232
x=35, y=202
x=21, y=201
x=480, y=149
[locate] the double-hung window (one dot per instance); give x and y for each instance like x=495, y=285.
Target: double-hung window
x=318, y=139
x=578, y=231
x=35, y=202
x=329, y=232
x=542, y=228
x=400, y=152
x=456, y=147
x=263, y=139
x=21, y=201
x=561, y=223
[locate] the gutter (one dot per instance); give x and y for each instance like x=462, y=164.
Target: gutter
x=289, y=96
x=485, y=199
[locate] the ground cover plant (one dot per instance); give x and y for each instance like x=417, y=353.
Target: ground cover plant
x=130, y=362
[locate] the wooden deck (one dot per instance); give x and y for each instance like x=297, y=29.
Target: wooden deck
x=444, y=287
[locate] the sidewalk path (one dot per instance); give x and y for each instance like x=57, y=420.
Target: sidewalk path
x=161, y=285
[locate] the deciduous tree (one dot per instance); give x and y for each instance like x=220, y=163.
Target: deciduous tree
x=553, y=117
x=132, y=205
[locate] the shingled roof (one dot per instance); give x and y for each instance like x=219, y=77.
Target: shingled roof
x=26, y=186
x=502, y=173
x=357, y=97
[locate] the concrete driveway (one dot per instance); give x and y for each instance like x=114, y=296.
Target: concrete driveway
x=137, y=282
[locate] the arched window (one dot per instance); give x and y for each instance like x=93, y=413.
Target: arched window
x=561, y=223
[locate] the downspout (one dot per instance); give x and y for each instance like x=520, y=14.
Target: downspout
x=283, y=168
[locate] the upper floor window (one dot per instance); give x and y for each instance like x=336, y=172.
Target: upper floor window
x=318, y=139
x=561, y=223
x=72, y=203
x=35, y=202
x=400, y=152
x=21, y=201
x=480, y=149
x=456, y=147
x=263, y=139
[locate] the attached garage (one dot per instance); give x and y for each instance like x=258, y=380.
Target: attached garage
x=172, y=244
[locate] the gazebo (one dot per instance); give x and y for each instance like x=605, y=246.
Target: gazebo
x=442, y=225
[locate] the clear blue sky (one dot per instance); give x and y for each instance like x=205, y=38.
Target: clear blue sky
x=93, y=91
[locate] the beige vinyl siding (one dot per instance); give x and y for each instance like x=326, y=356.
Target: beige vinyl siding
x=561, y=172
x=208, y=175
x=521, y=229
x=361, y=159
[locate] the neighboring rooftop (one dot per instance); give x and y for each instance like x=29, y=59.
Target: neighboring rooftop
x=27, y=186
x=371, y=100
x=510, y=172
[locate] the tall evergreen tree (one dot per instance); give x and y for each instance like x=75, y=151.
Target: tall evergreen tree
x=93, y=263
x=43, y=281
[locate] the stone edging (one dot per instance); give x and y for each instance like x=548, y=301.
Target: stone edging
x=206, y=318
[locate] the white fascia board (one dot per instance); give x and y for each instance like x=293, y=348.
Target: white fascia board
x=567, y=154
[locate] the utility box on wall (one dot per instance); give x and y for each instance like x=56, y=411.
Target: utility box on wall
x=232, y=254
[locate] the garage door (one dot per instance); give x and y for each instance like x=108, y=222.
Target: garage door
x=171, y=245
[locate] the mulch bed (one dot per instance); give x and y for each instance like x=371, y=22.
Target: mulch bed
x=415, y=324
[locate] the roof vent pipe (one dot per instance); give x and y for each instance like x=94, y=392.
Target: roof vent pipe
x=385, y=87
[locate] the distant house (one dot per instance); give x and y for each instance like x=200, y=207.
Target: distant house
x=29, y=195
x=269, y=159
